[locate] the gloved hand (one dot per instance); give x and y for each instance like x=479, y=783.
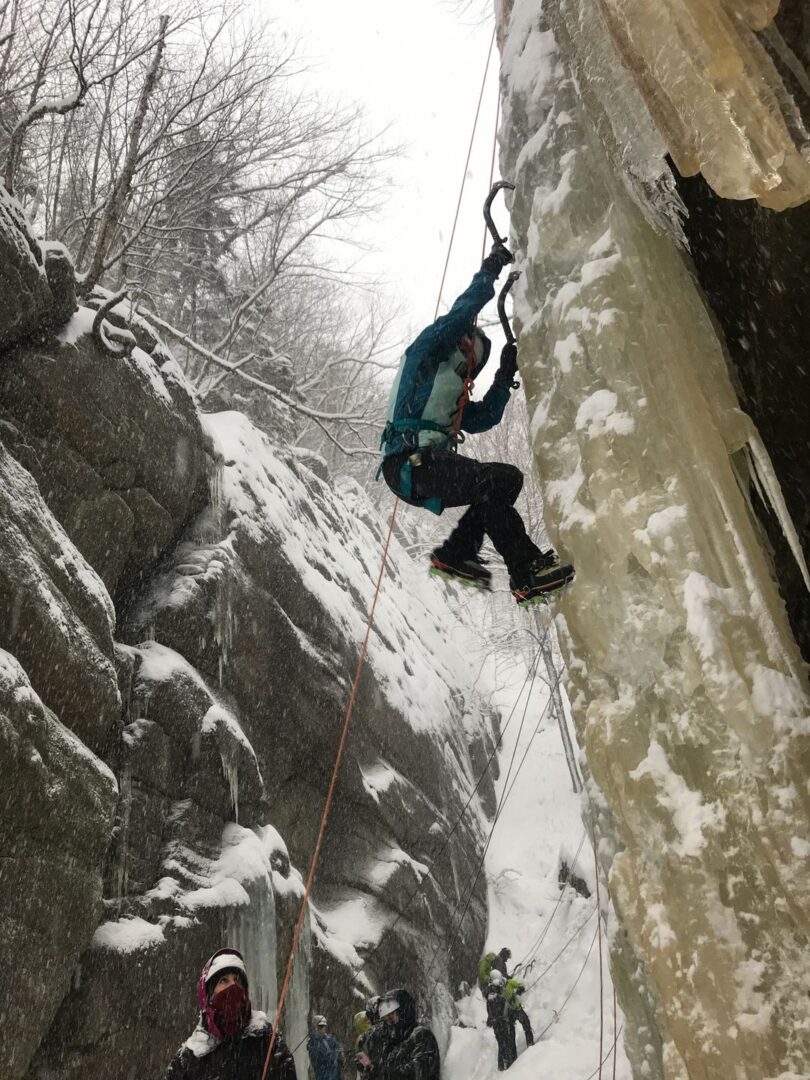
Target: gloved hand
x=499, y=257
x=508, y=366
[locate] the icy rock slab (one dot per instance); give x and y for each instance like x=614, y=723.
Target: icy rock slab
x=268, y=594
x=116, y=448
x=714, y=92
x=182, y=878
x=24, y=291
x=57, y=616
x=139, y=975
x=687, y=691
x=56, y=808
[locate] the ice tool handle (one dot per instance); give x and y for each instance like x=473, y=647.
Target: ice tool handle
x=507, y=288
x=501, y=185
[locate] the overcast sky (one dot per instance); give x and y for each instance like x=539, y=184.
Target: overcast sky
x=415, y=66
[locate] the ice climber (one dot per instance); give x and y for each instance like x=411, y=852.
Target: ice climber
x=493, y=962
x=517, y=1014
x=231, y=1040
x=408, y=1050
x=499, y=1019
x=325, y=1052
x=427, y=411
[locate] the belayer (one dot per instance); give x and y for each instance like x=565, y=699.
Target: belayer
x=428, y=411
x=397, y=1047
x=500, y=1020
x=231, y=1040
x=490, y=962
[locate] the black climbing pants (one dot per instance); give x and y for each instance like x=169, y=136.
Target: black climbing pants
x=488, y=488
x=505, y=1037
x=519, y=1016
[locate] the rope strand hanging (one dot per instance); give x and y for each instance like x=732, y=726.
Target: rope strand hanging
x=299, y=925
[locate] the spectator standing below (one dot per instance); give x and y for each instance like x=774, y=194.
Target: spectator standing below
x=325, y=1052
x=368, y=1041
x=231, y=1039
x=409, y=1050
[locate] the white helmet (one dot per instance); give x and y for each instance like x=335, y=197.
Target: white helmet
x=224, y=960
x=388, y=1004
x=496, y=978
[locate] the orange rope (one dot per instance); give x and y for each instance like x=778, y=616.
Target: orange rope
x=330, y=795
x=313, y=866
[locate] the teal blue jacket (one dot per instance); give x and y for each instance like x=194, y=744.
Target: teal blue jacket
x=431, y=375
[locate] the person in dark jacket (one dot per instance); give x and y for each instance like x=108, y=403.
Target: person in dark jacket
x=500, y=961
x=369, y=1042
x=325, y=1052
x=428, y=409
x=500, y=1020
x=231, y=1039
x=409, y=1050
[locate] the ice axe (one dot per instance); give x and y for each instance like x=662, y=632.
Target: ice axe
x=501, y=185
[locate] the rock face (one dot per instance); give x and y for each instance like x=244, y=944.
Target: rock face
x=687, y=687
x=56, y=804
x=267, y=596
x=58, y=619
x=114, y=444
x=761, y=299
x=182, y=605
x=23, y=279
x=750, y=264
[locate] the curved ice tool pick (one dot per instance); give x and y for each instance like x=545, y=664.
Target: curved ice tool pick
x=502, y=185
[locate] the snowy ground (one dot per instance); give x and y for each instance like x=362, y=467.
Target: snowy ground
x=540, y=823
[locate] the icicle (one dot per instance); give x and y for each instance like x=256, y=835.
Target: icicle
x=223, y=623
x=558, y=711
x=230, y=771
x=296, y=1004
x=125, y=809
x=252, y=930
x=769, y=483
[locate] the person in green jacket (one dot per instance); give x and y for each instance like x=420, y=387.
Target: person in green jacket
x=490, y=962
x=517, y=1014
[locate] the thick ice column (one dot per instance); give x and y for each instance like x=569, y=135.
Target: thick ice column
x=687, y=690
x=715, y=94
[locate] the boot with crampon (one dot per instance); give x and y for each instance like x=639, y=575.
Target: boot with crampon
x=534, y=583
